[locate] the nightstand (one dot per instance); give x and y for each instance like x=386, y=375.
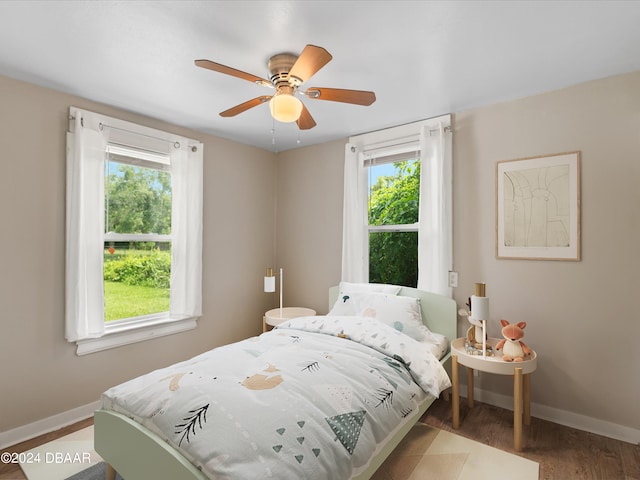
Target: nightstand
x=277, y=316
x=521, y=372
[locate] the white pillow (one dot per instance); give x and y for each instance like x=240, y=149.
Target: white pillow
x=348, y=293
x=401, y=313
x=368, y=288
x=350, y=303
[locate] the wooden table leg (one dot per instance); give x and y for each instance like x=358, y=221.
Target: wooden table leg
x=517, y=409
x=445, y=395
x=470, y=387
x=455, y=394
x=111, y=473
x=526, y=387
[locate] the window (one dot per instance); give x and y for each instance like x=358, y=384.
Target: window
x=397, y=206
x=392, y=207
x=137, y=240
x=134, y=232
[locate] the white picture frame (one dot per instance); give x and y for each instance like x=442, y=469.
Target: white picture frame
x=538, y=208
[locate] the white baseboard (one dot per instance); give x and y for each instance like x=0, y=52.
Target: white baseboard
x=46, y=425
x=562, y=417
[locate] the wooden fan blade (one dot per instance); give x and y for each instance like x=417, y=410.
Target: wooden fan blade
x=306, y=121
x=309, y=62
x=217, y=67
x=243, y=107
x=357, y=97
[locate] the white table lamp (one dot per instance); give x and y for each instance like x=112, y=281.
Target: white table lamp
x=270, y=285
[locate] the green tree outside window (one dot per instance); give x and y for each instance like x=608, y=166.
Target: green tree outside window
x=394, y=200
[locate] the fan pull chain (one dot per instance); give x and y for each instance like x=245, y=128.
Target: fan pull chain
x=273, y=131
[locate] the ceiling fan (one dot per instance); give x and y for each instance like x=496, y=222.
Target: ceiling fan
x=288, y=72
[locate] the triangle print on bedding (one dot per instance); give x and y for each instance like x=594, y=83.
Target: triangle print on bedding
x=347, y=428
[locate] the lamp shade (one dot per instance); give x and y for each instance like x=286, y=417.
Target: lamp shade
x=269, y=284
x=285, y=107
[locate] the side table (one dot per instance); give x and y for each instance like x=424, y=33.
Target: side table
x=277, y=316
x=521, y=372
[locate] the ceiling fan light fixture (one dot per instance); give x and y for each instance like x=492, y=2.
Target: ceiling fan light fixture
x=285, y=107
x=288, y=72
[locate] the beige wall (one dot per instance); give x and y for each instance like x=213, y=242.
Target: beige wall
x=581, y=315
x=309, y=233
x=41, y=374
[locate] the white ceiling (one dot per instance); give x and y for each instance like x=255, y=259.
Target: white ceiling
x=421, y=58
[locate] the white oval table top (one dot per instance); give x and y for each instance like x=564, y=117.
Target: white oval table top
x=491, y=364
x=276, y=316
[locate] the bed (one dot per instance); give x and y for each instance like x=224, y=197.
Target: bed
x=317, y=397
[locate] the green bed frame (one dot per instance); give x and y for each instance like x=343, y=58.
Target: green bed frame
x=139, y=454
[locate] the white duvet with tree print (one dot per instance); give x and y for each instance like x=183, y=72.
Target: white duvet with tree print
x=312, y=399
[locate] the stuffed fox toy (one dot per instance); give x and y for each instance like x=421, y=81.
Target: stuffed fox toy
x=513, y=348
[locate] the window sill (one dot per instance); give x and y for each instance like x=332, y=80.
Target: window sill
x=126, y=333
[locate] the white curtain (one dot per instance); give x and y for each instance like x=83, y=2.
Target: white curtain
x=84, y=302
x=355, y=265
x=435, y=255
x=186, y=231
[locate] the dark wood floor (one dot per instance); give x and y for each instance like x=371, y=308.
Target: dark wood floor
x=12, y=471
x=563, y=453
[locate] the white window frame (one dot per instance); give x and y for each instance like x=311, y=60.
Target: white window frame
x=408, y=151
x=158, y=146
x=435, y=236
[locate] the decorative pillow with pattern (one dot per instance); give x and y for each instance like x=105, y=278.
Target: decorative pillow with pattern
x=402, y=313
x=369, y=288
x=351, y=295
x=351, y=303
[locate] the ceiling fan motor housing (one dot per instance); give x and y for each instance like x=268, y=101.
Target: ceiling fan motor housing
x=280, y=65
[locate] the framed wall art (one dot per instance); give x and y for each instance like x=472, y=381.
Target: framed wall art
x=538, y=208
